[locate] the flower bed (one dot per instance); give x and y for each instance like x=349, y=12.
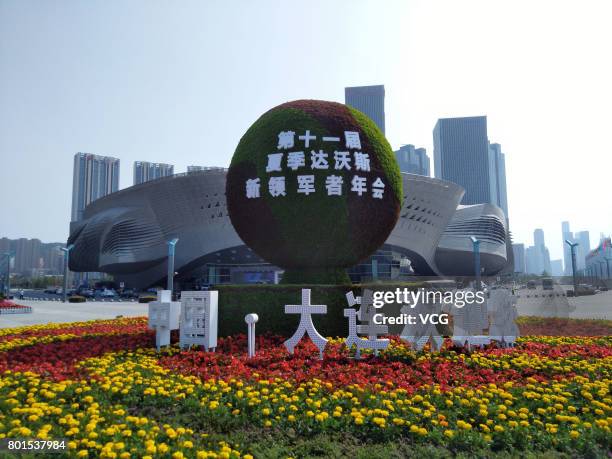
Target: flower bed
x=102, y=385
x=8, y=307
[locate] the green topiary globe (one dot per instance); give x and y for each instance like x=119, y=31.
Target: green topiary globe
x=314, y=187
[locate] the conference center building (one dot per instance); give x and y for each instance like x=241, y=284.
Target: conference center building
x=126, y=233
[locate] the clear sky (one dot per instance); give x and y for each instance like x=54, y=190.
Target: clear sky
x=181, y=81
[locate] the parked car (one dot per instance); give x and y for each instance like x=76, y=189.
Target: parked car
x=107, y=293
x=86, y=292
x=129, y=293
x=50, y=290
x=585, y=289
x=531, y=285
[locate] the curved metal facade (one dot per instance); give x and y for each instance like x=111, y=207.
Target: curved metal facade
x=125, y=234
x=485, y=222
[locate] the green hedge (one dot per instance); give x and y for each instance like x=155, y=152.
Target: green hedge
x=147, y=299
x=76, y=299
x=268, y=302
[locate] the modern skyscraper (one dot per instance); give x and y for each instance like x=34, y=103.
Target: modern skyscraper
x=556, y=268
x=93, y=177
x=497, y=174
x=413, y=160
x=369, y=100
x=537, y=257
x=145, y=171
x=519, y=257
x=461, y=155
x=583, y=249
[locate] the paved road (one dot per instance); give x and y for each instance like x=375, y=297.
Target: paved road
x=54, y=311
x=540, y=303
x=597, y=306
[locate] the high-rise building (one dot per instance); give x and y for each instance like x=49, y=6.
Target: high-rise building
x=497, y=174
x=27, y=256
x=556, y=268
x=369, y=100
x=31, y=257
x=145, y=171
x=583, y=249
x=519, y=257
x=461, y=155
x=537, y=257
x=413, y=160
x=93, y=177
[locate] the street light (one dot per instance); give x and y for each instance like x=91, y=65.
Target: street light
x=170, y=282
x=573, y=246
x=66, y=251
x=476, y=249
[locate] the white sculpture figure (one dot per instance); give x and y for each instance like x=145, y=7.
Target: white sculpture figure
x=365, y=314
x=164, y=317
x=251, y=320
x=469, y=323
x=502, y=310
x=306, y=326
x=419, y=334
x=199, y=319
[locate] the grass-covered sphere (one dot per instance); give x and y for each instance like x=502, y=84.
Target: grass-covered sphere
x=314, y=187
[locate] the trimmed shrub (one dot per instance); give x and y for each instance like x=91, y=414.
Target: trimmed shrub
x=313, y=236
x=147, y=299
x=268, y=302
x=76, y=299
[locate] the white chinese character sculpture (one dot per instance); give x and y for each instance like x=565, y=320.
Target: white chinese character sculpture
x=362, y=161
x=352, y=140
x=306, y=326
x=378, y=188
x=274, y=162
x=307, y=138
x=469, y=323
x=333, y=183
x=306, y=184
x=276, y=186
x=342, y=160
x=295, y=160
x=164, y=317
x=318, y=160
x=503, y=314
x=359, y=185
x=199, y=319
x=286, y=139
x=252, y=188
x=365, y=314
x=419, y=334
